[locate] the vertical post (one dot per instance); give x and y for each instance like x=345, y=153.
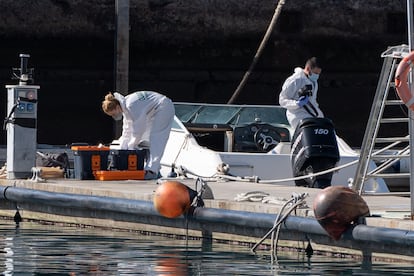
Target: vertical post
x=121, y=51
x=410, y=114
x=21, y=123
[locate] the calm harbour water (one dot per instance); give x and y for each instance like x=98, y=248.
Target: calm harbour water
x=37, y=249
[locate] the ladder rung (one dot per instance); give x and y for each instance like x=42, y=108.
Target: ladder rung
x=396, y=52
x=389, y=175
x=393, y=102
x=389, y=156
x=394, y=120
x=391, y=139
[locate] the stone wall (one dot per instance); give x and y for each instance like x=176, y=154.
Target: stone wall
x=194, y=51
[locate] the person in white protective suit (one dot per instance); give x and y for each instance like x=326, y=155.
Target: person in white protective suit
x=299, y=93
x=147, y=118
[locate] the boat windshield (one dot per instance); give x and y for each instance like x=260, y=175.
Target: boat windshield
x=229, y=114
x=224, y=127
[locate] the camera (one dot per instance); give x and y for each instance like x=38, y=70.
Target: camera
x=305, y=91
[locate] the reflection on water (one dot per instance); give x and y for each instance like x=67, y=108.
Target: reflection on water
x=35, y=249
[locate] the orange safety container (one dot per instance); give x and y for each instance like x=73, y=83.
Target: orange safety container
x=120, y=175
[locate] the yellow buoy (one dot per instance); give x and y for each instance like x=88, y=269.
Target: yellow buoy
x=172, y=199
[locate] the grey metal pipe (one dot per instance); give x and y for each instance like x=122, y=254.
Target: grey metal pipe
x=385, y=236
x=378, y=239
x=307, y=225
x=76, y=201
x=239, y=218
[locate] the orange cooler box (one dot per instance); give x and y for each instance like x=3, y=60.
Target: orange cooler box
x=88, y=159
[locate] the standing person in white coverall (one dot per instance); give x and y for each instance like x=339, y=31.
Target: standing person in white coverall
x=147, y=118
x=299, y=93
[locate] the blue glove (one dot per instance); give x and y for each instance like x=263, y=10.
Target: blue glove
x=302, y=101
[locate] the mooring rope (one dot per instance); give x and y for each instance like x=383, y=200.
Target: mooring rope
x=253, y=196
x=298, y=199
x=256, y=179
x=182, y=171
x=312, y=174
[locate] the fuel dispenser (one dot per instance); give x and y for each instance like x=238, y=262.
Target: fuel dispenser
x=21, y=122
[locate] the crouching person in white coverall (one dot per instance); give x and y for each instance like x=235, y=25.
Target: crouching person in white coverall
x=147, y=118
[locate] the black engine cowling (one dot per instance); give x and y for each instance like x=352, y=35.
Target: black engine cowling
x=314, y=149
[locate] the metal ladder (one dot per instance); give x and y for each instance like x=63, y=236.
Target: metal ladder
x=385, y=151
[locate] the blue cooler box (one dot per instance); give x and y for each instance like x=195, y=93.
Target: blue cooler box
x=88, y=159
x=131, y=160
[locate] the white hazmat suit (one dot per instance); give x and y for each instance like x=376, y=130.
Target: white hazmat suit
x=290, y=94
x=147, y=118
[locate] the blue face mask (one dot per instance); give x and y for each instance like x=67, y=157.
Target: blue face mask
x=314, y=77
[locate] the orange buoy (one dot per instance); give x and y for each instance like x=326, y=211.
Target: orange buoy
x=171, y=264
x=172, y=199
x=337, y=207
x=401, y=81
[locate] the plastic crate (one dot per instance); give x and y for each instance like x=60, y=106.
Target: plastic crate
x=88, y=159
x=131, y=160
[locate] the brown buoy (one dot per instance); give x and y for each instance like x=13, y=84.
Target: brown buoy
x=172, y=199
x=337, y=207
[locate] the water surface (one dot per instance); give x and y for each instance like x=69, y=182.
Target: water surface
x=38, y=249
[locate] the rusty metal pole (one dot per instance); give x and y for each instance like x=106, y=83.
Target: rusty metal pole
x=121, y=52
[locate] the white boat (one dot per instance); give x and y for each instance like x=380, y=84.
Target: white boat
x=244, y=142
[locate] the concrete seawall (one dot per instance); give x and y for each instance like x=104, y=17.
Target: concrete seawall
x=128, y=205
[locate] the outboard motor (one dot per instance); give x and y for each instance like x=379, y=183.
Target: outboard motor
x=314, y=149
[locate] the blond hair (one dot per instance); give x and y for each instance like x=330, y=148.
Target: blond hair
x=109, y=103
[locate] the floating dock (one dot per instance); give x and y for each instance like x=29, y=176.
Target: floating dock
x=128, y=204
